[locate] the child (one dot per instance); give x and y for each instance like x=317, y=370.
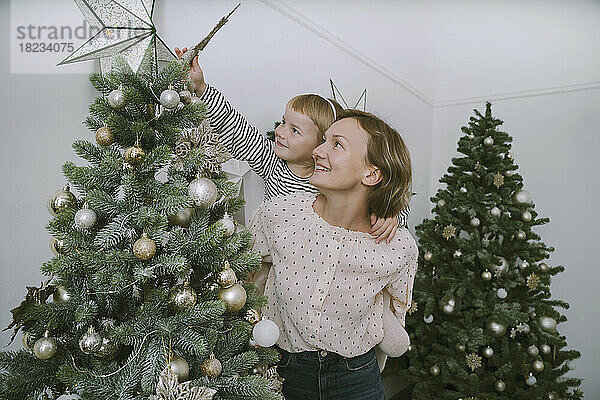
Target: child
x=285, y=165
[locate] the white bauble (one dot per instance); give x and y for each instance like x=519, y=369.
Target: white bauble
x=265, y=332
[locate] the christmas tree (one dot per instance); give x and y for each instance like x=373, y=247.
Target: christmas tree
x=482, y=322
x=143, y=292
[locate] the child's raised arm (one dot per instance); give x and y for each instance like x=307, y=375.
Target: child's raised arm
x=243, y=140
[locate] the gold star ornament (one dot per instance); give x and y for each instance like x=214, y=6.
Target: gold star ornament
x=413, y=307
x=473, y=361
x=498, y=179
x=533, y=281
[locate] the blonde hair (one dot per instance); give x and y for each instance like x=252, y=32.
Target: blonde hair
x=318, y=109
x=387, y=151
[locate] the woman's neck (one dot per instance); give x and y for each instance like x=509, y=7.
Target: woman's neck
x=346, y=210
x=302, y=169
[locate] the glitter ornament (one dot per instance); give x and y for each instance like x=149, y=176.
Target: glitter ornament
x=211, y=367
x=135, y=155
x=203, y=192
x=104, y=136
x=86, y=218
x=144, y=248
x=184, y=296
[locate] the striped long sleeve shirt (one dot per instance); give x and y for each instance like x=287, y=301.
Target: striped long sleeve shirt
x=246, y=143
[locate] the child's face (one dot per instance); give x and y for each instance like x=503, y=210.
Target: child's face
x=296, y=137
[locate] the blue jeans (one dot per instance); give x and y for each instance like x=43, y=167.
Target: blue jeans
x=322, y=375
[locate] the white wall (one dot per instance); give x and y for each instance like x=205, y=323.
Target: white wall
x=426, y=65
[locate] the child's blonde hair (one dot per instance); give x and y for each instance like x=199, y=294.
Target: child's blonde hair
x=318, y=109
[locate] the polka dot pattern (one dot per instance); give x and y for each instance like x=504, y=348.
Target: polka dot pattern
x=325, y=284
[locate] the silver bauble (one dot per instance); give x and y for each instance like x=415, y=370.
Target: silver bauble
x=495, y=212
x=463, y=190
x=69, y=396
x=524, y=264
x=228, y=224
x=57, y=246
x=90, y=342
x=522, y=197
x=185, y=96
x=195, y=99
x=107, y=349
x=45, y=347
x=448, y=309
x=543, y=267
x=571, y=364
x=434, y=370
x=428, y=319
x=548, y=324
x=144, y=248
x=521, y=235
x=526, y=216
x=441, y=203
x=501, y=293
x=461, y=347
x=486, y=275
x=525, y=328
x=488, y=141
x=545, y=348
x=502, y=265
x=203, y=192
x=508, y=173
x=533, y=351
x=531, y=380
x=488, y=352
x=182, y=218
x=537, y=365
x=475, y=222
x=104, y=136
x=61, y=200
x=85, y=218
x=233, y=296
x=116, y=99
x=509, y=155
x=29, y=340
x=552, y=396
x=169, y=99
x=184, y=296
x=180, y=367
x=500, y=386
x=61, y=294
x=428, y=255
x=226, y=277
x=252, y=342
x=496, y=328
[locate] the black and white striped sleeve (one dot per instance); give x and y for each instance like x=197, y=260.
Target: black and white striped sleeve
x=243, y=140
x=403, y=217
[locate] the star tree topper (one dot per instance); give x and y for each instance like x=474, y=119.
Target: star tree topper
x=125, y=28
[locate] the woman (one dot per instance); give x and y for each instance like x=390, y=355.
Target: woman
x=324, y=278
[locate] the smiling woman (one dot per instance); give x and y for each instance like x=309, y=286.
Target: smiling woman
x=321, y=242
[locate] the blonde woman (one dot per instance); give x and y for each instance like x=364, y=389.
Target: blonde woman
x=334, y=293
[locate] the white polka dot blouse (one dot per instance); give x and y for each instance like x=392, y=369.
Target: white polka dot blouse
x=325, y=284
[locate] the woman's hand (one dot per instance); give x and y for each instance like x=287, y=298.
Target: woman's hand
x=383, y=228
x=195, y=73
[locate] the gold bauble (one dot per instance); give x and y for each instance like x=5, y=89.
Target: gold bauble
x=252, y=316
x=226, y=277
x=57, y=246
x=144, y=248
x=104, y=136
x=134, y=155
x=211, y=367
x=61, y=200
x=428, y=256
x=184, y=296
x=233, y=296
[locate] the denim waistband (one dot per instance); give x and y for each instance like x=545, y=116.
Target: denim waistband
x=323, y=355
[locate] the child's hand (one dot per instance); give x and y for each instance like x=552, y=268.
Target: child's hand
x=383, y=228
x=195, y=73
